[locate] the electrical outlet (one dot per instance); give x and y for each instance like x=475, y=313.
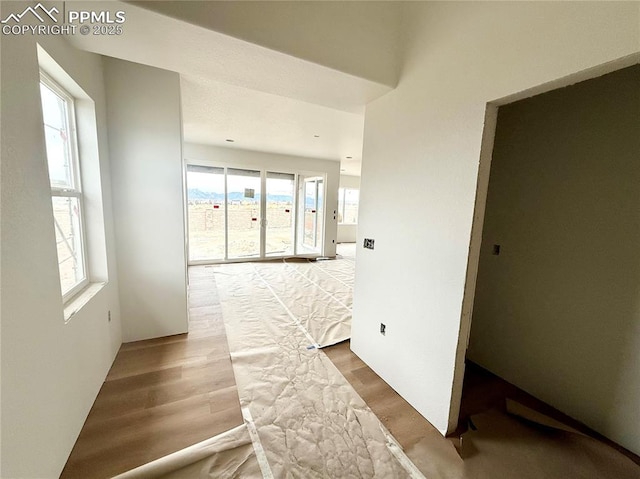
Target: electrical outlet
x=368, y=243
x=109, y=316
x=496, y=249
x=383, y=329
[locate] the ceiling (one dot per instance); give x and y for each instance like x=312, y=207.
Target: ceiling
x=214, y=112
x=262, y=99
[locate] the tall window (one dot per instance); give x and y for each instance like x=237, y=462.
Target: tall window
x=348, y=206
x=66, y=192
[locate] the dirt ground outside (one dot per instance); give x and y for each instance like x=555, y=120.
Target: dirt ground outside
x=206, y=229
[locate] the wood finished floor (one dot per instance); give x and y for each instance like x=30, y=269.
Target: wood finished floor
x=165, y=394
x=161, y=395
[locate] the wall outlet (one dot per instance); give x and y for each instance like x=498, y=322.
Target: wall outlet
x=368, y=243
x=383, y=329
x=496, y=249
x=109, y=316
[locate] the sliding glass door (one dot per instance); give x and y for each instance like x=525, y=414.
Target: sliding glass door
x=230, y=219
x=280, y=216
x=206, y=213
x=244, y=217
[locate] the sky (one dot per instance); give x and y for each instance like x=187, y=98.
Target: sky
x=215, y=183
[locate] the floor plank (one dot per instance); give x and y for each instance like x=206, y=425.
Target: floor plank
x=161, y=395
x=397, y=415
x=165, y=394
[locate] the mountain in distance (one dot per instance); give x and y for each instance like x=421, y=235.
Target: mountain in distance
x=195, y=194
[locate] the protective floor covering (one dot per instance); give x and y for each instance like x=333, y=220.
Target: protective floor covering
x=534, y=446
x=309, y=420
x=228, y=455
x=318, y=295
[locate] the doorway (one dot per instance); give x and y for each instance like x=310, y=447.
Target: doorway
x=555, y=301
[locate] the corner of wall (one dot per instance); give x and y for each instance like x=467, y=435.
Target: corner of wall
x=145, y=141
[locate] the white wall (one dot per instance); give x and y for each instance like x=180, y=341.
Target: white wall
x=348, y=233
x=420, y=165
x=349, y=181
x=556, y=313
x=51, y=371
x=145, y=138
x=359, y=38
x=207, y=154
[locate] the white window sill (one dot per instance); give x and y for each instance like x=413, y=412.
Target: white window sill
x=76, y=303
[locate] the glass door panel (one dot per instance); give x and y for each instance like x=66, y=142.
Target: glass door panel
x=319, y=213
x=310, y=205
x=279, y=214
x=311, y=214
x=243, y=213
x=206, y=212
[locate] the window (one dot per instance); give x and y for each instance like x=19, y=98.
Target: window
x=66, y=193
x=348, y=206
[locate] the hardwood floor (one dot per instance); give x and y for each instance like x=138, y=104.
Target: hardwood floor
x=161, y=395
x=165, y=394
x=397, y=415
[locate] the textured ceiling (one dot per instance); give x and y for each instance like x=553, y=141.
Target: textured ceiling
x=265, y=122
x=263, y=99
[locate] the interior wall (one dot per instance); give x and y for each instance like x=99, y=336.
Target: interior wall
x=145, y=139
x=349, y=181
x=420, y=165
x=556, y=312
x=207, y=154
x=51, y=371
x=348, y=233
x=359, y=38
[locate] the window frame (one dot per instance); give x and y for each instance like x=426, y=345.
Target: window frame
x=75, y=191
x=342, y=204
